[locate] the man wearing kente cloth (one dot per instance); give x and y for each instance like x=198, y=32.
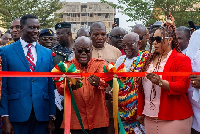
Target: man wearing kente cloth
x=90, y=98
x=128, y=95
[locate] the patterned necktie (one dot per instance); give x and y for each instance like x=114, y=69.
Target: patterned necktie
x=30, y=58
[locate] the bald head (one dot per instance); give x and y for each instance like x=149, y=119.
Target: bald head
x=98, y=25
x=83, y=32
x=83, y=50
x=139, y=27
x=82, y=40
x=131, y=37
x=116, y=30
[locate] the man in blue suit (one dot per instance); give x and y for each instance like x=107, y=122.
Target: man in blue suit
x=27, y=104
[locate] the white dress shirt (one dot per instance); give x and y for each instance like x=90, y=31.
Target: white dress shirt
x=193, y=51
x=127, y=62
x=33, y=49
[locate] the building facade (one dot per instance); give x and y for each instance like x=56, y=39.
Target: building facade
x=84, y=14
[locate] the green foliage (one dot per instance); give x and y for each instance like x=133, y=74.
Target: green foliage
x=43, y=9
x=149, y=11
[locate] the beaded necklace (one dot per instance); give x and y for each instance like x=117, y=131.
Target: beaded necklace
x=137, y=64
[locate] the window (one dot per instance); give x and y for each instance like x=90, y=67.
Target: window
x=83, y=14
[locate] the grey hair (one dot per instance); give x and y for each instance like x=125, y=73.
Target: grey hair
x=134, y=36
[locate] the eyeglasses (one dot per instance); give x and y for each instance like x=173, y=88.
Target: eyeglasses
x=80, y=51
x=129, y=45
x=157, y=39
x=141, y=37
x=47, y=38
x=118, y=36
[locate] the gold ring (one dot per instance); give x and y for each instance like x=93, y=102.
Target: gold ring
x=93, y=82
x=193, y=82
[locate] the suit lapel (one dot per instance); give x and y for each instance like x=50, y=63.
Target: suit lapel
x=20, y=52
x=170, y=62
x=39, y=56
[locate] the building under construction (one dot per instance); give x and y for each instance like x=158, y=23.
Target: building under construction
x=84, y=14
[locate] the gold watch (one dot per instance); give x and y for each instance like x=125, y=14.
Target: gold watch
x=160, y=83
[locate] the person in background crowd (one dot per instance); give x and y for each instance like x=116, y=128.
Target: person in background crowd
x=15, y=30
x=5, y=39
x=90, y=98
x=133, y=60
x=162, y=99
x=143, y=35
x=62, y=52
x=55, y=41
x=116, y=36
x=27, y=103
x=183, y=34
x=46, y=38
x=83, y=32
x=193, y=51
x=100, y=48
x=107, y=52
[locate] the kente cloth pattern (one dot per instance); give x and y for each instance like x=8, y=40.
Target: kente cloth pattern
x=128, y=95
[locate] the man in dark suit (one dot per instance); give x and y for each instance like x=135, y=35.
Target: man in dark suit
x=27, y=104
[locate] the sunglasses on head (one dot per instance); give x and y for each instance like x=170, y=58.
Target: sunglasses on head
x=118, y=36
x=80, y=51
x=157, y=39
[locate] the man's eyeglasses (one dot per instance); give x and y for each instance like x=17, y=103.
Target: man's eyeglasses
x=157, y=39
x=80, y=51
x=129, y=45
x=118, y=36
x=47, y=38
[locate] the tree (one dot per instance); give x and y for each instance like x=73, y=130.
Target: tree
x=43, y=9
x=149, y=11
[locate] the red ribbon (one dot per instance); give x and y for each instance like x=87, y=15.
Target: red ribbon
x=78, y=75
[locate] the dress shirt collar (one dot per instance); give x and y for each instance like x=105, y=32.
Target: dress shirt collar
x=24, y=43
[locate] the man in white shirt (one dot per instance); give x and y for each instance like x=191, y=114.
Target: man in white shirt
x=193, y=51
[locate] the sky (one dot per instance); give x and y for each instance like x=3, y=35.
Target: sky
x=122, y=18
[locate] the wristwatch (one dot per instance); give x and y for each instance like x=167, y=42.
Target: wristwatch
x=160, y=83
x=52, y=117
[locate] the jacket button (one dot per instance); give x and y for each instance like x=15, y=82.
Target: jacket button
x=32, y=81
